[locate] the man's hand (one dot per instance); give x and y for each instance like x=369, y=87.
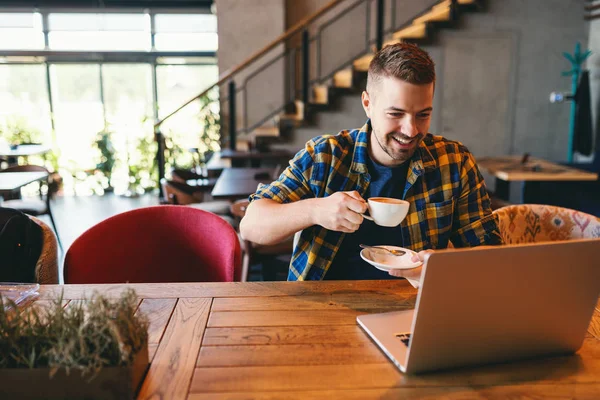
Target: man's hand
x=413, y=275
x=340, y=212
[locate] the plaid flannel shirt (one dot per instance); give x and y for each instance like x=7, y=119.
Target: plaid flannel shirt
x=447, y=196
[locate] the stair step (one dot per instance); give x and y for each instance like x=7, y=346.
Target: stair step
x=320, y=94
x=448, y=3
x=435, y=15
x=343, y=78
x=362, y=64
x=298, y=115
x=271, y=131
x=415, y=31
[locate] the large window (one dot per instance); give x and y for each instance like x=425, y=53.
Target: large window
x=21, y=31
x=176, y=32
x=24, y=100
x=102, y=70
x=78, y=112
x=108, y=32
x=128, y=100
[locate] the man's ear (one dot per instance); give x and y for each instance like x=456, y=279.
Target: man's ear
x=366, y=103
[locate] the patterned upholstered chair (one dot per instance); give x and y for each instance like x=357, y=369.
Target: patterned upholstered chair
x=46, y=269
x=534, y=223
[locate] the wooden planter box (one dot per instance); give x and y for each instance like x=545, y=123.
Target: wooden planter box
x=110, y=383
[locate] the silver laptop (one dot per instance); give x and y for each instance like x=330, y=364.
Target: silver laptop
x=494, y=304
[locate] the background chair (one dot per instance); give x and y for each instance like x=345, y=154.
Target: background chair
x=534, y=223
x=179, y=193
x=35, y=207
x=156, y=244
x=272, y=257
x=46, y=269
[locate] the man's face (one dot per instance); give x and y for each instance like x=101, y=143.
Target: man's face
x=400, y=114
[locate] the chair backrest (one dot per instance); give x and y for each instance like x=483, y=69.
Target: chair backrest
x=46, y=269
x=534, y=223
x=180, y=193
x=156, y=244
x=182, y=175
x=238, y=208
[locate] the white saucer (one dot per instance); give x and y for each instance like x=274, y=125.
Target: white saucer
x=386, y=262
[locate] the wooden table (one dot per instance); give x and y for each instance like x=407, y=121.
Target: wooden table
x=300, y=340
x=238, y=183
x=23, y=150
x=12, y=181
x=510, y=169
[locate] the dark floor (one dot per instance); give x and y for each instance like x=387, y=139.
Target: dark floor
x=74, y=215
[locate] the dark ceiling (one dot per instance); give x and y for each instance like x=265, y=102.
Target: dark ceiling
x=92, y=4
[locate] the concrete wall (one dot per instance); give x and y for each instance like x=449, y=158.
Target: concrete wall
x=245, y=27
x=495, y=74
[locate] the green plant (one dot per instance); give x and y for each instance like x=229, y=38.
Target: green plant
x=105, y=147
x=142, y=166
x=86, y=338
x=210, y=120
x=208, y=136
x=15, y=130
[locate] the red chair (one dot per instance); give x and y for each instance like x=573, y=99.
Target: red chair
x=156, y=244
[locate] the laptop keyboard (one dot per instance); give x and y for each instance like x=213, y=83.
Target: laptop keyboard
x=404, y=338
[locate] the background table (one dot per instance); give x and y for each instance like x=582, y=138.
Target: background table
x=23, y=150
x=12, y=181
x=239, y=183
x=300, y=340
x=510, y=169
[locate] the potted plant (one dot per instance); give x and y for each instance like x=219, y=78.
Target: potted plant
x=141, y=164
x=16, y=131
x=106, y=159
x=92, y=349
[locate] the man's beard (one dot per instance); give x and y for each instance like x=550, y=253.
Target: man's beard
x=399, y=155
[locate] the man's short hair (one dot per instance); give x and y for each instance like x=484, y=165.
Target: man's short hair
x=403, y=61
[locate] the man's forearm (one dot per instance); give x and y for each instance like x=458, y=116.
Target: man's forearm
x=268, y=222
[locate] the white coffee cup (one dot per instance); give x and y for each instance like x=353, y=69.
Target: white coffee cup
x=387, y=211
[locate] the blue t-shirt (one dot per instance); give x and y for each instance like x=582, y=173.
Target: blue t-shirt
x=347, y=265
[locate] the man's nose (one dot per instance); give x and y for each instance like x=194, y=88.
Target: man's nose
x=409, y=127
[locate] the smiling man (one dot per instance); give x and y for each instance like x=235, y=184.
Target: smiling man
x=322, y=193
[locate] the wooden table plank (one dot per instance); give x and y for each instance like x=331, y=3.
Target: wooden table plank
x=577, y=391
x=361, y=352
x=152, y=351
x=594, y=328
x=230, y=289
x=583, y=368
x=279, y=335
x=285, y=318
x=158, y=312
x=342, y=301
x=172, y=368
x=250, y=379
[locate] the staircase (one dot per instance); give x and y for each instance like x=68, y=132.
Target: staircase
x=310, y=86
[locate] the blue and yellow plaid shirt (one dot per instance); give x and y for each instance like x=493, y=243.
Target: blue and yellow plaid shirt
x=447, y=196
